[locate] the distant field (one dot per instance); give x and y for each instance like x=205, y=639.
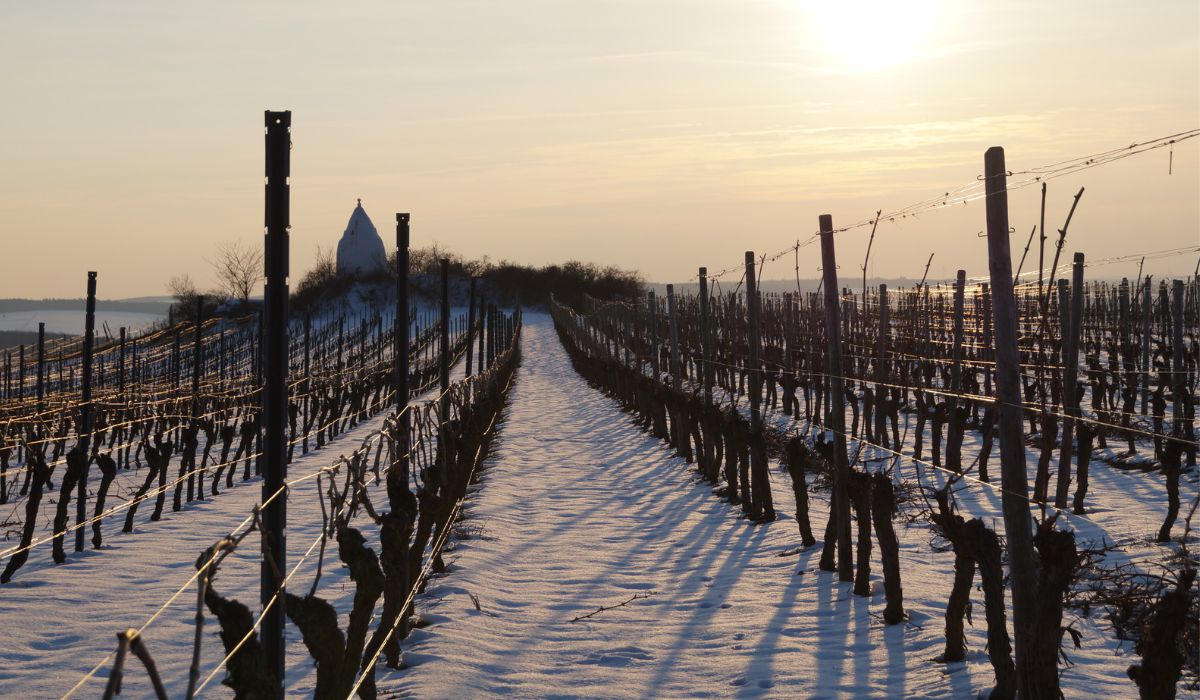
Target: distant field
x=10, y=339
x=19, y=318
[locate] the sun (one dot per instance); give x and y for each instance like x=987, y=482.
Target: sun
x=870, y=35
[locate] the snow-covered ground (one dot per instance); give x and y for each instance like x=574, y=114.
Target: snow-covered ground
x=577, y=508
x=60, y=622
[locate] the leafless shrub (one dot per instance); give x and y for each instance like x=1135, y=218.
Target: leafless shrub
x=239, y=267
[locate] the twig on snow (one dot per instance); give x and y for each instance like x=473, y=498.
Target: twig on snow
x=635, y=596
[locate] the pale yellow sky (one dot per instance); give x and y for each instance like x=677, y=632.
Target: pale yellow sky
x=659, y=135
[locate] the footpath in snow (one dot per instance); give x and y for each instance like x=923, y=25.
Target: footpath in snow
x=578, y=508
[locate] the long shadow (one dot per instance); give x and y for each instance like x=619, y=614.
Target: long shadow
x=833, y=629
x=625, y=487
x=897, y=661
x=736, y=555
x=761, y=666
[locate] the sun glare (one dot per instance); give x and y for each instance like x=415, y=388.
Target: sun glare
x=868, y=35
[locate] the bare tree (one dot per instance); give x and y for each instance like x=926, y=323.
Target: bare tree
x=239, y=268
x=182, y=288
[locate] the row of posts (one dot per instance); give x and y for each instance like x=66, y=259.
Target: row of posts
x=1000, y=311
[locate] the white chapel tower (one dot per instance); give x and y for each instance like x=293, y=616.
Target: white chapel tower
x=360, y=251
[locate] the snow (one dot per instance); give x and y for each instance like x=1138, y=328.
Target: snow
x=72, y=322
x=360, y=249
x=577, y=508
x=136, y=575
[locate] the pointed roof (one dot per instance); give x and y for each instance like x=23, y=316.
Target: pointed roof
x=361, y=249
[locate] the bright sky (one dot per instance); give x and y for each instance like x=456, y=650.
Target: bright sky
x=659, y=135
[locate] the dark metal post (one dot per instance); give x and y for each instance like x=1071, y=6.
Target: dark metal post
x=402, y=320
x=85, y=411
x=274, y=355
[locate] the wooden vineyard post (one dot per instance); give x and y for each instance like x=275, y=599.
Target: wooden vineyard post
x=470, y=326
x=444, y=339
x=626, y=331
x=762, y=507
x=86, y=411
x=341, y=343
x=41, y=367
x=492, y=348
x=274, y=356
x=362, y=342
x=197, y=358
x=790, y=406
x=953, y=408
x=676, y=379
x=121, y=364
x=987, y=339
x=1064, y=318
x=1014, y=480
x=840, y=511
x=881, y=391
x=1145, y=341
x=652, y=320
x=705, y=339
x=307, y=391
x=679, y=435
x=1070, y=378
x=482, y=329
x=1178, y=368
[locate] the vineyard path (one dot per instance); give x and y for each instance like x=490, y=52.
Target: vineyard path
x=578, y=509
